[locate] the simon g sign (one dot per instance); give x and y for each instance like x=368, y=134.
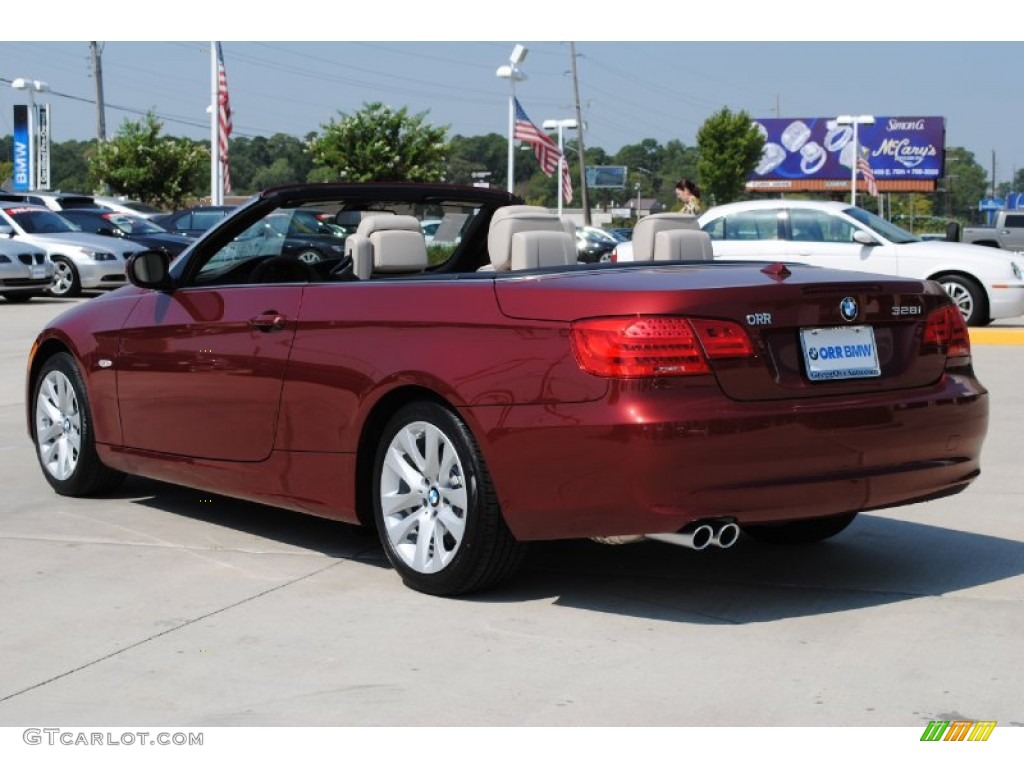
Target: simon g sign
x=817, y=148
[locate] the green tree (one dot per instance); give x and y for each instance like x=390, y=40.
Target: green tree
x=478, y=154
x=379, y=144
x=964, y=183
x=729, y=147
x=141, y=164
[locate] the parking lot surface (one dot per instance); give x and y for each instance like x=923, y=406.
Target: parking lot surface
x=162, y=604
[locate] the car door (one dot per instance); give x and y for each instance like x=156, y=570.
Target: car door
x=826, y=239
x=200, y=369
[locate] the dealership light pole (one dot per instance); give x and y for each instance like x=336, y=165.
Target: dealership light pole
x=32, y=87
x=854, y=120
x=514, y=75
x=550, y=125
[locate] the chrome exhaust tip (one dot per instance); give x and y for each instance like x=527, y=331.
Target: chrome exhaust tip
x=726, y=535
x=696, y=536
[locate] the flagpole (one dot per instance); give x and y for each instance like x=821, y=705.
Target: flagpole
x=216, y=197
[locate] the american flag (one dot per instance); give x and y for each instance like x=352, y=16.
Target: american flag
x=223, y=120
x=865, y=170
x=544, y=147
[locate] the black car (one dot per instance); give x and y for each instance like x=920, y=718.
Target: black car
x=103, y=221
x=193, y=221
x=303, y=234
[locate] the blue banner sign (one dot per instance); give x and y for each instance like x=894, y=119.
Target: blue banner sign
x=896, y=148
x=22, y=149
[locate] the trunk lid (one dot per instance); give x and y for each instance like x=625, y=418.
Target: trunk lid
x=815, y=332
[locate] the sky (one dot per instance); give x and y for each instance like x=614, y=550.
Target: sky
x=443, y=63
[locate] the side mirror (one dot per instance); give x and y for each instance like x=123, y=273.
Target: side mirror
x=150, y=269
x=864, y=238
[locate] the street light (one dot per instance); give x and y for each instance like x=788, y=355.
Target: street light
x=514, y=75
x=854, y=120
x=550, y=125
x=31, y=87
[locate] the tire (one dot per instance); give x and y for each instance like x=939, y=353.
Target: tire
x=63, y=434
x=309, y=256
x=968, y=296
x=434, y=504
x=800, y=531
x=66, y=283
x=18, y=298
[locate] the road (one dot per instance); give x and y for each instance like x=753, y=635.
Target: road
x=166, y=605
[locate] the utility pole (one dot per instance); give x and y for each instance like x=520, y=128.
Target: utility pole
x=993, y=173
x=97, y=73
x=584, y=194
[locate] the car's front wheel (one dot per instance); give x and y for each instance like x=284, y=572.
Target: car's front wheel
x=66, y=283
x=17, y=298
x=435, y=506
x=969, y=298
x=63, y=431
x=800, y=531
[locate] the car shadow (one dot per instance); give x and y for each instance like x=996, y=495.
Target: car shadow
x=317, y=534
x=875, y=562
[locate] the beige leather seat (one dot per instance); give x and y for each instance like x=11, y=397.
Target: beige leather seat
x=527, y=237
x=670, y=237
x=387, y=244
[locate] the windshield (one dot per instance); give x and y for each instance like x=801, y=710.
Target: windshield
x=133, y=225
x=886, y=229
x=37, y=221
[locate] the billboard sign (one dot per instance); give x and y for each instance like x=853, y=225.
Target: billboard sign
x=22, y=149
x=606, y=176
x=817, y=148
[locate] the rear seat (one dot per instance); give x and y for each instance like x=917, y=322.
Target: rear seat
x=527, y=237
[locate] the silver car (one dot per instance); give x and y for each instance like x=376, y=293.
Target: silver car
x=25, y=271
x=80, y=259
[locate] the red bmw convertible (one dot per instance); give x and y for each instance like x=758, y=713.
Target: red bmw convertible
x=469, y=395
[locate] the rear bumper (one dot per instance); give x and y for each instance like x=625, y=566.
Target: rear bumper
x=646, y=460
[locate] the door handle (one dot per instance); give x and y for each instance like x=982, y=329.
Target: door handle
x=268, y=322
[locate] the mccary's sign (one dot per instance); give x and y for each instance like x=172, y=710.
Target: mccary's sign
x=819, y=149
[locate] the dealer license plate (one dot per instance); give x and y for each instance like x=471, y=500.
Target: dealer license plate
x=846, y=352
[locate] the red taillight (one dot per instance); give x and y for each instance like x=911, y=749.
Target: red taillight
x=945, y=327
x=641, y=347
x=614, y=255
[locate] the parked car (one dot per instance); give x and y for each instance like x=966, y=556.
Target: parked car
x=54, y=200
x=25, y=271
x=593, y=243
x=622, y=234
x=103, y=221
x=985, y=284
x=303, y=235
x=80, y=259
x=194, y=221
x=507, y=394
x=1006, y=232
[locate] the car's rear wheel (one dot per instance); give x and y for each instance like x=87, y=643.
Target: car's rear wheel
x=63, y=432
x=968, y=296
x=66, y=283
x=435, y=506
x=800, y=531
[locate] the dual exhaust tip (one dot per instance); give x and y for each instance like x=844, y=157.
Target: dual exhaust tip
x=701, y=535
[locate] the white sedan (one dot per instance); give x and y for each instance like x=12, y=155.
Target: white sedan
x=986, y=283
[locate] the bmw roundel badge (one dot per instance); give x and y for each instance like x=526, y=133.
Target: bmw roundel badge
x=848, y=309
